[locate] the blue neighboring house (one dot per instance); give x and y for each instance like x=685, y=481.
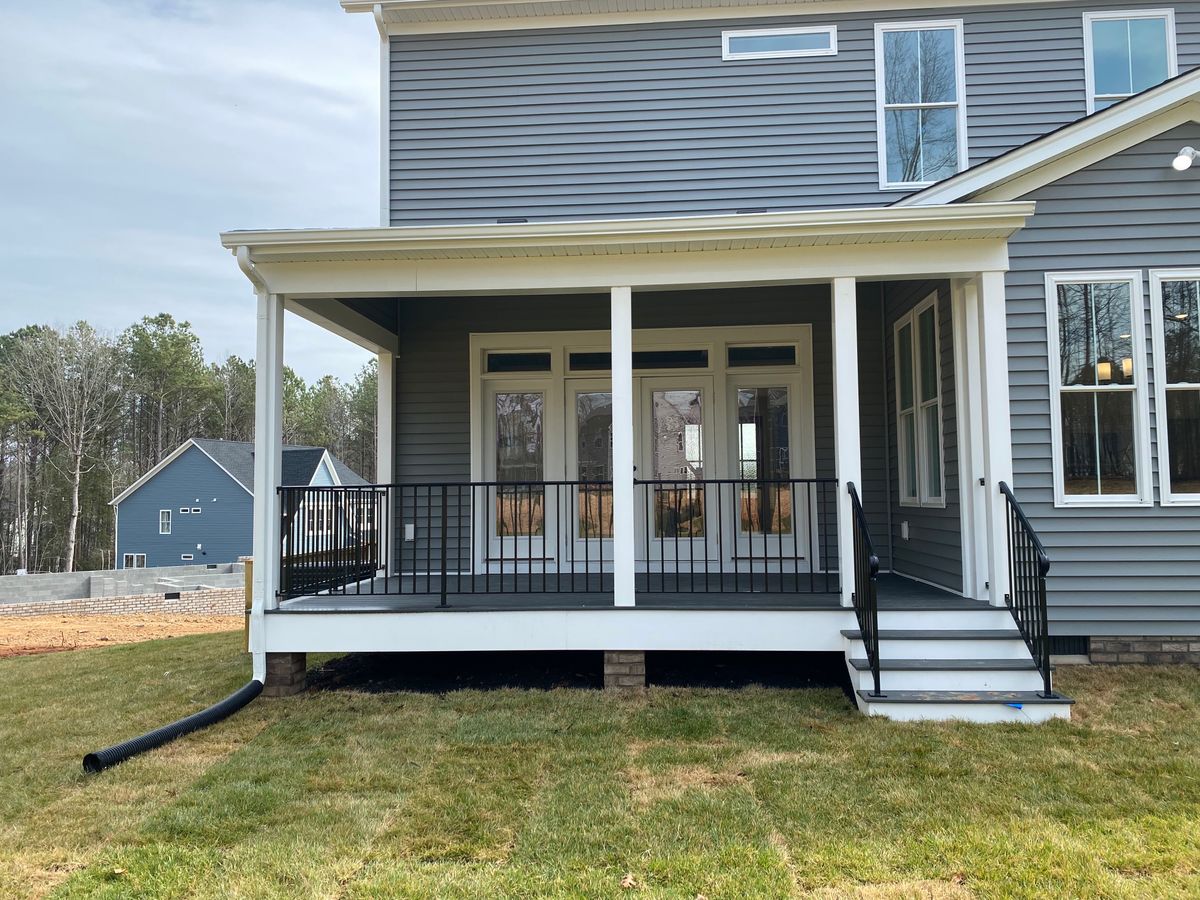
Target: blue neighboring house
x=196, y=505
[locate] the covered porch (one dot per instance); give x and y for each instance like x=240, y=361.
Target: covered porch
x=667, y=416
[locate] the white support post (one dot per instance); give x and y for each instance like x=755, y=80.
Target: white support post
x=997, y=427
x=624, y=518
x=968, y=381
x=268, y=460
x=846, y=424
x=385, y=430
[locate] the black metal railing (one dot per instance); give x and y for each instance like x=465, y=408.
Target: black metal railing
x=736, y=535
x=866, y=582
x=539, y=537
x=1028, y=565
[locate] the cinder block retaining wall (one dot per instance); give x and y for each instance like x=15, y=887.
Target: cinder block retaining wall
x=219, y=601
x=116, y=582
x=1144, y=649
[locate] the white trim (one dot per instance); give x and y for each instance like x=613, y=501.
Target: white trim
x=1040, y=162
x=964, y=299
x=160, y=521
x=727, y=54
x=1089, y=18
x=924, y=499
x=339, y=319
x=847, y=434
x=186, y=557
x=1140, y=389
x=134, y=558
x=405, y=17
x=1166, y=493
x=326, y=460
x=881, y=106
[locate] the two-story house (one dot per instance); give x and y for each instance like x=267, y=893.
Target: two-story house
x=694, y=315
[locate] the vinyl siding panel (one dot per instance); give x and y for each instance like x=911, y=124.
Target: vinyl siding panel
x=645, y=120
x=223, y=527
x=1115, y=571
x=933, y=551
x=433, y=384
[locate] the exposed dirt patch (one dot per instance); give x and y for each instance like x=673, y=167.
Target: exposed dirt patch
x=28, y=635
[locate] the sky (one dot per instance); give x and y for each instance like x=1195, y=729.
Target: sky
x=132, y=132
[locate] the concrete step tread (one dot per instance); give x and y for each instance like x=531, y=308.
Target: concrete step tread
x=947, y=665
x=1006, y=697
x=935, y=634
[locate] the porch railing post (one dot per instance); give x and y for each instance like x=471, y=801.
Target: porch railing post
x=846, y=430
x=445, y=540
x=622, y=446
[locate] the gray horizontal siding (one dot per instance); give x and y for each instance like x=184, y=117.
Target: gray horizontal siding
x=1134, y=571
x=433, y=384
x=933, y=551
x=642, y=120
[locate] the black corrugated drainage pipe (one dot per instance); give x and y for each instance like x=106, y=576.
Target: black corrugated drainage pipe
x=110, y=756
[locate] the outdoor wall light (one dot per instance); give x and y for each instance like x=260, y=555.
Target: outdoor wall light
x=1183, y=161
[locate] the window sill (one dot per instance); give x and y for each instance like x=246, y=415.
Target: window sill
x=1100, y=503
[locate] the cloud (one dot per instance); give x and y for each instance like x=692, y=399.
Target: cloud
x=137, y=130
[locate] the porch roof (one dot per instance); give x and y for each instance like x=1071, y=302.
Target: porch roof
x=616, y=237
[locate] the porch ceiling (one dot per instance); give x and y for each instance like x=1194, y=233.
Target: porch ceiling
x=621, y=237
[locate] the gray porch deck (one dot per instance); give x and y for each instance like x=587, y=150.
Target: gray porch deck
x=895, y=592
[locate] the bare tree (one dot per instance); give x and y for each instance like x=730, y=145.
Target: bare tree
x=73, y=380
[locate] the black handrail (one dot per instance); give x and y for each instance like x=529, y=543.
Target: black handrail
x=1026, y=597
x=866, y=576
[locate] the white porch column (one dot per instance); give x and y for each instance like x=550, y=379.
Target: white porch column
x=997, y=428
x=268, y=460
x=846, y=431
x=385, y=431
x=968, y=386
x=624, y=518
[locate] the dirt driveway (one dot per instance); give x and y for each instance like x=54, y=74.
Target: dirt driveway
x=24, y=635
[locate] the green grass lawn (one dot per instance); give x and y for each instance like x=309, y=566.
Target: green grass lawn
x=682, y=792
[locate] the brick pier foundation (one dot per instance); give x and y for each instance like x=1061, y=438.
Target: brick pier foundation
x=624, y=670
x=285, y=674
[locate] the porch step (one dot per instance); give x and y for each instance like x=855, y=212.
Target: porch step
x=979, y=617
x=969, y=706
x=948, y=674
x=931, y=643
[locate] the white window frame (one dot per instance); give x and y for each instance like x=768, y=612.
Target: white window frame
x=183, y=510
x=1166, y=494
x=727, y=54
x=1140, y=390
x=196, y=510
x=881, y=108
x=924, y=498
x=162, y=530
x=130, y=560
x=186, y=557
x=1089, y=58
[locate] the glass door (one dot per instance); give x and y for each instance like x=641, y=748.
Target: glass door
x=676, y=448
x=515, y=505
x=589, y=461
x=771, y=510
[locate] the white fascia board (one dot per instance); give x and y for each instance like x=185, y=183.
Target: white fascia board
x=327, y=462
x=1091, y=138
x=434, y=241
x=401, y=17
x=158, y=467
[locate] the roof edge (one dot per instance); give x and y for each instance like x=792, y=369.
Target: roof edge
x=1020, y=161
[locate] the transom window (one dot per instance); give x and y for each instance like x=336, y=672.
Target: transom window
x=1127, y=52
x=919, y=94
x=768, y=43
x=164, y=521
x=1099, y=417
x=1176, y=318
x=919, y=406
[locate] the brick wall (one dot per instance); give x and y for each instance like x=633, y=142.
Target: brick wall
x=1105, y=649
x=216, y=601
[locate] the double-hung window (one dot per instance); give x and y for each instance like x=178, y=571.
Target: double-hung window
x=921, y=109
x=1099, y=411
x=1175, y=313
x=164, y=521
x=1126, y=53
x=919, y=406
